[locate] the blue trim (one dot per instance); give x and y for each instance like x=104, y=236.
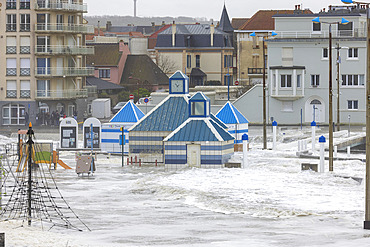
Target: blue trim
x=238, y=141
x=228, y=146
x=245, y=137
x=238, y=131
x=114, y=130
x=175, y=162
x=110, y=141
x=183, y=86
x=213, y=148
x=211, y=162
x=146, y=138
x=146, y=148
x=177, y=147
x=175, y=156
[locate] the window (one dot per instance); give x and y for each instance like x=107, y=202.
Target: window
x=353, y=80
x=104, y=73
x=43, y=88
x=25, y=45
x=11, y=89
x=11, y=67
x=24, y=4
x=315, y=80
x=197, y=108
x=25, y=89
x=25, y=25
x=287, y=106
x=352, y=104
x=228, y=61
x=43, y=44
x=71, y=20
x=11, y=23
x=255, y=40
x=11, y=4
x=11, y=45
x=25, y=67
x=299, y=78
x=353, y=53
x=287, y=56
x=43, y=21
x=325, y=53
x=197, y=61
x=286, y=81
x=188, y=61
x=345, y=29
x=43, y=66
x=316, y=27
x=13, y=114
x=60, y=22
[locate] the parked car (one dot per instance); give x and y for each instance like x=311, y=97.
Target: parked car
x=118, y=107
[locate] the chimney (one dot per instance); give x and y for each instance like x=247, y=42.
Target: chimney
x=108, y=25
x=212, y=33
x=163, y=23
x=98, y=28
x=173, y=34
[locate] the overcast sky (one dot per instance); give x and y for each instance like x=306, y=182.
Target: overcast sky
x=198, y=8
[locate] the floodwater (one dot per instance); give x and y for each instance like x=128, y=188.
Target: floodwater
x=271, y=202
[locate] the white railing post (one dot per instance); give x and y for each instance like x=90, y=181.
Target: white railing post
x=322, y=141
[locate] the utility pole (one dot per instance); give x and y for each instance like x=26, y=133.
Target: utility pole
x=338, y=85
x=330, y=103
x=264, y=95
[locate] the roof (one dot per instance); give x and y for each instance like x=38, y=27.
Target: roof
x=214, y=118
x=199, y=130
x=146, y=30
x=225, y=24
x=166, y=116
x=262, y=20
x=152, y=40
x=236, y=23
x=179, y=75
x=102, y=84
x=143, y=68
x=105, y=55
x=192, y=29
x=199, y=96
x=129, y=113
x=229, y=114
x=197, y=72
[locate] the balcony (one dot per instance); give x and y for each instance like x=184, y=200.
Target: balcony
x=63, y=72
x=62, y=28
x=11, y=71
x=11, y=5
x=25, y=94
x=11, y=93
x=64, y=50
x=61, y=6
x=25, y=27
x=25, y=72
x=255, y=71
x=24, y=5
x=11, y=27
x=61, y=94
x=11, y=50
x=356, y=33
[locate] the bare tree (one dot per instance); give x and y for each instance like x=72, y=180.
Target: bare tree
x=166, y=64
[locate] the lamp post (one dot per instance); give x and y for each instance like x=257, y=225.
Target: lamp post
x=264, y=83
x=367, y=187
x=343, y=21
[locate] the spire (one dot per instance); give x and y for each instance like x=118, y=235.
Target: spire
x=225, y=24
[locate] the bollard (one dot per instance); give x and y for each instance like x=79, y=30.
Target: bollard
x=313, y=127
x=335, y=151
x=245, y=150
x=156, y=163
x=139, y=162
x=135, y=160
x=322, y=141
x=348, y=151
x=274, y=126
x=128, y=161
x=131, y=161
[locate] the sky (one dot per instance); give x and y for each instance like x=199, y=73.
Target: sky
x=211, y=9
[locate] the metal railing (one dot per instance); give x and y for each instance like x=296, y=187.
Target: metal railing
x=64, y=71
x=11, y=93
x=255, y=71
x=63, y=49
x=61, y=94
x=355, y=33
x=25, y=71
x=11, y=71
x=12, y=27
x=25, y=94
x=24, y=5
x=62, y=5
x=11, y=49
x=63, y=28
x=25, y=27
x=25, y=49
x=11, y=5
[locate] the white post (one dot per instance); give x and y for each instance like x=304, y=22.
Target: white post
x=313, y=127
x=335, y=151
x=348, y=151
x=274, y=126
x=322, y=141
x=245, y=150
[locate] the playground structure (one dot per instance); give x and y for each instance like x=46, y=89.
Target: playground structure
x=29, y=191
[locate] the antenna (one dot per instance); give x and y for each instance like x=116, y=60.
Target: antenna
x=135, y=8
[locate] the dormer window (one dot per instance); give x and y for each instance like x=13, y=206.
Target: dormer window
x=197, y=108
x=199, y=105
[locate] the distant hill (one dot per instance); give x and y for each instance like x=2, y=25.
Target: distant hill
x=140, y=21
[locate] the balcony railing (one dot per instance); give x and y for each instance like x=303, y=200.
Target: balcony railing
x=25, y=94
x=25, y=50
x=11, y=49
x=11, y=71
x=24, y=5
x=25, y=72
x=11, y=27
x=62, y=49
x=11, y=5
x=25, y=27
x=61, y=94
x=63, y=71
x=355, y=33
x=255, y=71
x=62, y=28
x=11, y=93
x=61, y=6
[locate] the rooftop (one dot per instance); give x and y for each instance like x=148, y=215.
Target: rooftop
x=129, y=113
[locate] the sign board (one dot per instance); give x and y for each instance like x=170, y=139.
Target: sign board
x=131, y=96
x=68, y=131
x=236, y=83
x=96, y=132
x=146, y=100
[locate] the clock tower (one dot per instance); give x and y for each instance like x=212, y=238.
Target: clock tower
x=179, y=83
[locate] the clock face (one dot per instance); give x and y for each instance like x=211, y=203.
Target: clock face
x=177, y=86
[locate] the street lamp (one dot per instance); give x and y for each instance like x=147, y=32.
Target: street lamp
x=343, y=21
x=367, y=187
x=264, y=83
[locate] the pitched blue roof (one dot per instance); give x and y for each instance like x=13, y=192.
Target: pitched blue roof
x=129, y=113
x=230, y=115
x=214, y=118
x=198, y=130
x=167, y=116
x=199, y=96
x=179, y=75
